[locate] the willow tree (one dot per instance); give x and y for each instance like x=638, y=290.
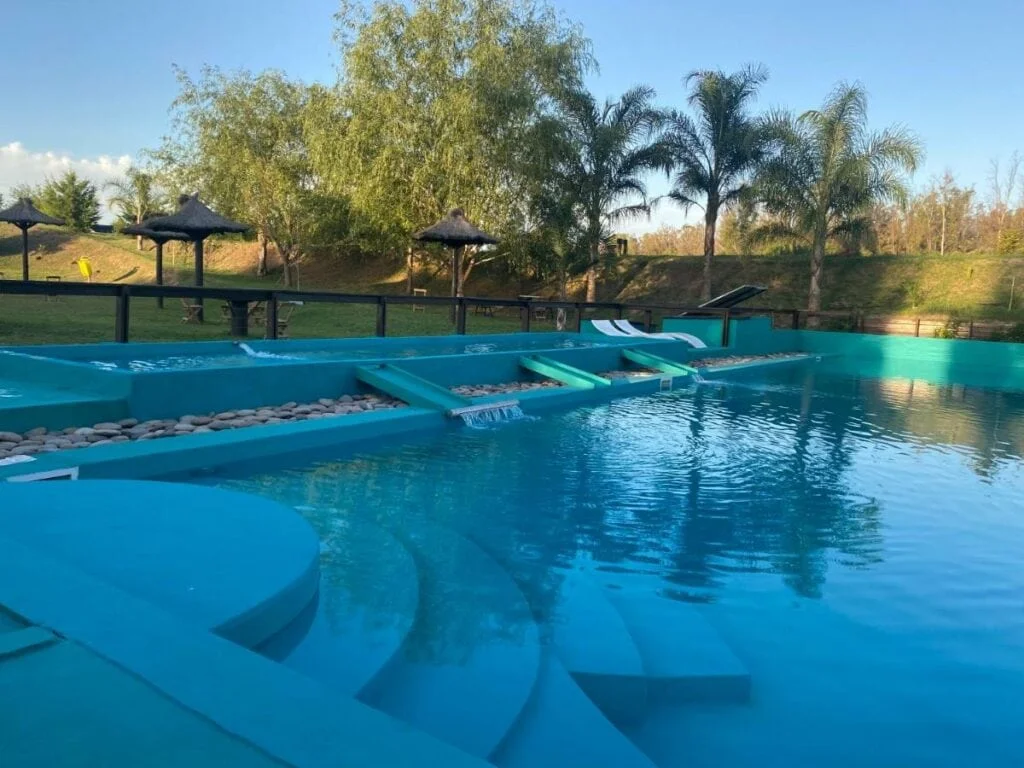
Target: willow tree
x=240, y=139
x=826, y=172
x=715, y=152
x=597, y=158
x=439, y=96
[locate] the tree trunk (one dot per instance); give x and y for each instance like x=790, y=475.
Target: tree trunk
x=595, y=260
x=817, y=264
x=942, y=238
x=261, y=262
x=710, y=221
x=408, y=271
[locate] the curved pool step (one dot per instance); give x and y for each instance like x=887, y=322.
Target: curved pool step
x=595, y=646
x=363, y=612
x=469, y=664
x=560, y=726
x=684, y=657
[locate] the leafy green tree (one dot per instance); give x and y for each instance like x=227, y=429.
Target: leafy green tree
x=597, y=158
x=72, y=198
x=715, y=153
x=135, y=197
x=240, y=138
x=438, y=98
x=826, y=172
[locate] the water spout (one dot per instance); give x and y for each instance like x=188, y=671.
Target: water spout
x=487, y=414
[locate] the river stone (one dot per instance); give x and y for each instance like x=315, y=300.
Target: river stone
x=128, y=423
x=68, y=430
x=246, y=412
x=10, y=437
x=184, y=426
x=6, y=445
x=219, y=425
x=120, y=439
x=199, y=430
x=106, y=432
x=85, y=431
x=25, y=450
x=58, y=442
x=107, y=425
x=290, y=404
x=102, y=442
x=76, y=439
x=325, y=401
x=345, y=399
x=226, y=416
x=37, y=432
x=201, y=421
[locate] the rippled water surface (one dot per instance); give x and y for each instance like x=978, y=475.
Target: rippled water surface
x=858, y=543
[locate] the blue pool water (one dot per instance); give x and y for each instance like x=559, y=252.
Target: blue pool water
x=855, y=544
x=239, y=357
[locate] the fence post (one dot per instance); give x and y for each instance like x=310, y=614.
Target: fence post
x=648, y=320
x=272, y=317
x=796, y=319
x=579, y=317
x=618, y=312
x=726, y=317
x=239, y=312
x=121, y=317
x=460, y=316
x=524, y=317
x=382, y=316
x=970, y=329
x=917, y=327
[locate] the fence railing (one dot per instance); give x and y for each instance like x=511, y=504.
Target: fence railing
x=238, y=301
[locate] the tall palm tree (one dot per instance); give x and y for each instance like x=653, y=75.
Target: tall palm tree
x=597, y=157
x=135, y=196
x=826, y=171
x=714, y=155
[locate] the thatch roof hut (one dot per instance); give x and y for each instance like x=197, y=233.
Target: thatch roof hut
x=159, y=237
x=455, y=231
x=24, y=216
x=195, y=219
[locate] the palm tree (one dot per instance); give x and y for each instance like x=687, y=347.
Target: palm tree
x=826, y=172
x=715, y=154
x=135, y=197
x=596, y=157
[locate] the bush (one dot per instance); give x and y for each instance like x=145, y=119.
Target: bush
x=1014, y=333
x=951, y=330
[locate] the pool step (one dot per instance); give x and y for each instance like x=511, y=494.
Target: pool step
x=365, y=608
x=559, y=371
x=684, y=657
x=412, y=389
x=590, y=638
x=468, y=666
x=560, y=726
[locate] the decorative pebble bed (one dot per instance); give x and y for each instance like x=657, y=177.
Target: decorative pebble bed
x=717, y=362
x=483, y=390
x=632, y=373
x=42, y=440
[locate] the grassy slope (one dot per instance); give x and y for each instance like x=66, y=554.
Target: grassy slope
x=977, y=286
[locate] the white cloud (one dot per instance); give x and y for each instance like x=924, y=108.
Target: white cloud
x=18, y=165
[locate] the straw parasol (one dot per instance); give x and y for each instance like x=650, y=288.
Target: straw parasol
x=194, y=219
x=24, y=216
x=159, y=237
x=455, y=232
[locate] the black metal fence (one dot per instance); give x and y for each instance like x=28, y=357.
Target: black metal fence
x=238, y=301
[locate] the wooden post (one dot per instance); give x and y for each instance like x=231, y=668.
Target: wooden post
x=726, y=317
x=272, y=316
x=456, y=266
x=917, y=327
x=525, y=312
x=579, y=317
x=382, y=316
x=796, y=319
x=648, y=320
x=460, y=316
x=121, y=317
x=199, y=278
x=24, y=253
x=618, y=312
x=159, y=270
x=970, y=329
x=239, y=318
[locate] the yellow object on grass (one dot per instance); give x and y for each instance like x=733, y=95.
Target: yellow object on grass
x=85, y=267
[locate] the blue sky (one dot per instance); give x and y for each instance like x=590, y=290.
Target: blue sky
x=99, y=81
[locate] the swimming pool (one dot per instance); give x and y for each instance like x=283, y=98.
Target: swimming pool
x=853, y=542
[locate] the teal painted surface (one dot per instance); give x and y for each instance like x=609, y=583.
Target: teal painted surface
x=559, y=371
x=649, y=360
x=276, y=710
x=410, y=388
x=238, y=565
x=707, y=329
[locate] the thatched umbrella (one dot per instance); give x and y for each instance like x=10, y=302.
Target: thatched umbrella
x=159, y=237
x=455, y=232
x=24, y=216
x=198, y=222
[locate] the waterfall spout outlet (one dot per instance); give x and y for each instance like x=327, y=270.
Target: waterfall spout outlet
x=489, y=413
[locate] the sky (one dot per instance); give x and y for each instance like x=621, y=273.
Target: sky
x=95, y=79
